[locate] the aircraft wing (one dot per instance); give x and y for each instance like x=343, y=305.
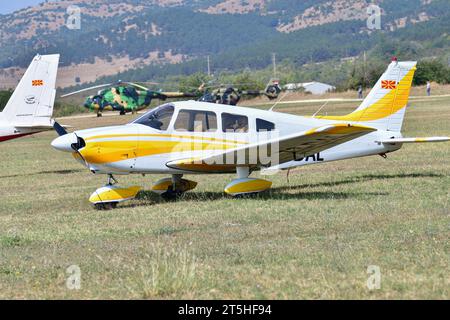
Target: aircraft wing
x=292, y=147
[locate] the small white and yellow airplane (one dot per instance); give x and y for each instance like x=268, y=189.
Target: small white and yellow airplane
x=30, y=108
x=201, y=138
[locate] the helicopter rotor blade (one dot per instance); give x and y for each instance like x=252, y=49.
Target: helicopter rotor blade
x=179, y=94
x=150, y=83
x=87, y=89
x=138, y=86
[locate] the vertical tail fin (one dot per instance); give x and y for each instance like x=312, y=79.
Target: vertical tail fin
x=385, y=106
x=32, y=102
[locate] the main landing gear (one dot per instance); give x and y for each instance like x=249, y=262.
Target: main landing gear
x=107, y=197
x=173, y=188
x=245, y=185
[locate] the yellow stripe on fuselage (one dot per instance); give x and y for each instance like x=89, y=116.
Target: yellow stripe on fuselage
x=137, y=136
x=102, y=152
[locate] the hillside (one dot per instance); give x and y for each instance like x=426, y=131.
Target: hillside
x=168, y=37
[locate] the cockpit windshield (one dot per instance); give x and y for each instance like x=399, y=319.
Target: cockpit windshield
x=158, y=118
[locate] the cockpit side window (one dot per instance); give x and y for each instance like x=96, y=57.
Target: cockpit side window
x=196, y=121
x=158, y=118
x=263, y=125
x=234, y=123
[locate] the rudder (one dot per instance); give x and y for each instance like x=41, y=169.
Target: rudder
x=385, y=106
x=32, y=102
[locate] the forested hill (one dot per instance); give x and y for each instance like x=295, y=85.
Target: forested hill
x=174, y=36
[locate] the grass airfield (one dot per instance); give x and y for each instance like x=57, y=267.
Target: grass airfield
x=312, y=237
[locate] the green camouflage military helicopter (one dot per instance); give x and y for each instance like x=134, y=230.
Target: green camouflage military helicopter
x=229, y=95
x=125, y=97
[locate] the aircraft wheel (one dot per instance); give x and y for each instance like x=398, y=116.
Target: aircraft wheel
x=246, y=195
x=105, y=206
x=113, y=205
x=171, y=195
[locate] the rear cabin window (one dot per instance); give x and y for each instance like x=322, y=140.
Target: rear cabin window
x=196, y=121
x=263, y=125
x=234, y=123
x=158, y=118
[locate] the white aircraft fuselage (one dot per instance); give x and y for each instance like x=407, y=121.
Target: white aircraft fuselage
x=143, y=147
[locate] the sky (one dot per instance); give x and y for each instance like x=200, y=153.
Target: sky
x=11, y=6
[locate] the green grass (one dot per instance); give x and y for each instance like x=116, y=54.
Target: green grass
x=310, y=238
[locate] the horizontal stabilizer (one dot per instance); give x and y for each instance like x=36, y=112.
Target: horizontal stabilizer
x=415, y=140
x=37, y=127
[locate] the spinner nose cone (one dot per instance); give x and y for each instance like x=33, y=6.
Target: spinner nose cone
x=64, y=143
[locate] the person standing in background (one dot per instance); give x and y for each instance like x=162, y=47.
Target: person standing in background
x=428, y=88
x=360, y=92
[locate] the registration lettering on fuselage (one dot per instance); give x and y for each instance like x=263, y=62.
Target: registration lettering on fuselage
x=314, y=158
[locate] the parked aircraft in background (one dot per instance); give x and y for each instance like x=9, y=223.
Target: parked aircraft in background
x=30, y=108
x=124, y=97
x=231, y=95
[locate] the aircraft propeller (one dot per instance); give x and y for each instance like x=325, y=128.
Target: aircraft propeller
x=75, y=146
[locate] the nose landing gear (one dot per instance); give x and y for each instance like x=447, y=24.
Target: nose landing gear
x=109, y=196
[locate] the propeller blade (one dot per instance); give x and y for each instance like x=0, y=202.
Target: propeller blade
x=59, y=129
x=151, y=83
x=77, y=148
x=87, y=89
